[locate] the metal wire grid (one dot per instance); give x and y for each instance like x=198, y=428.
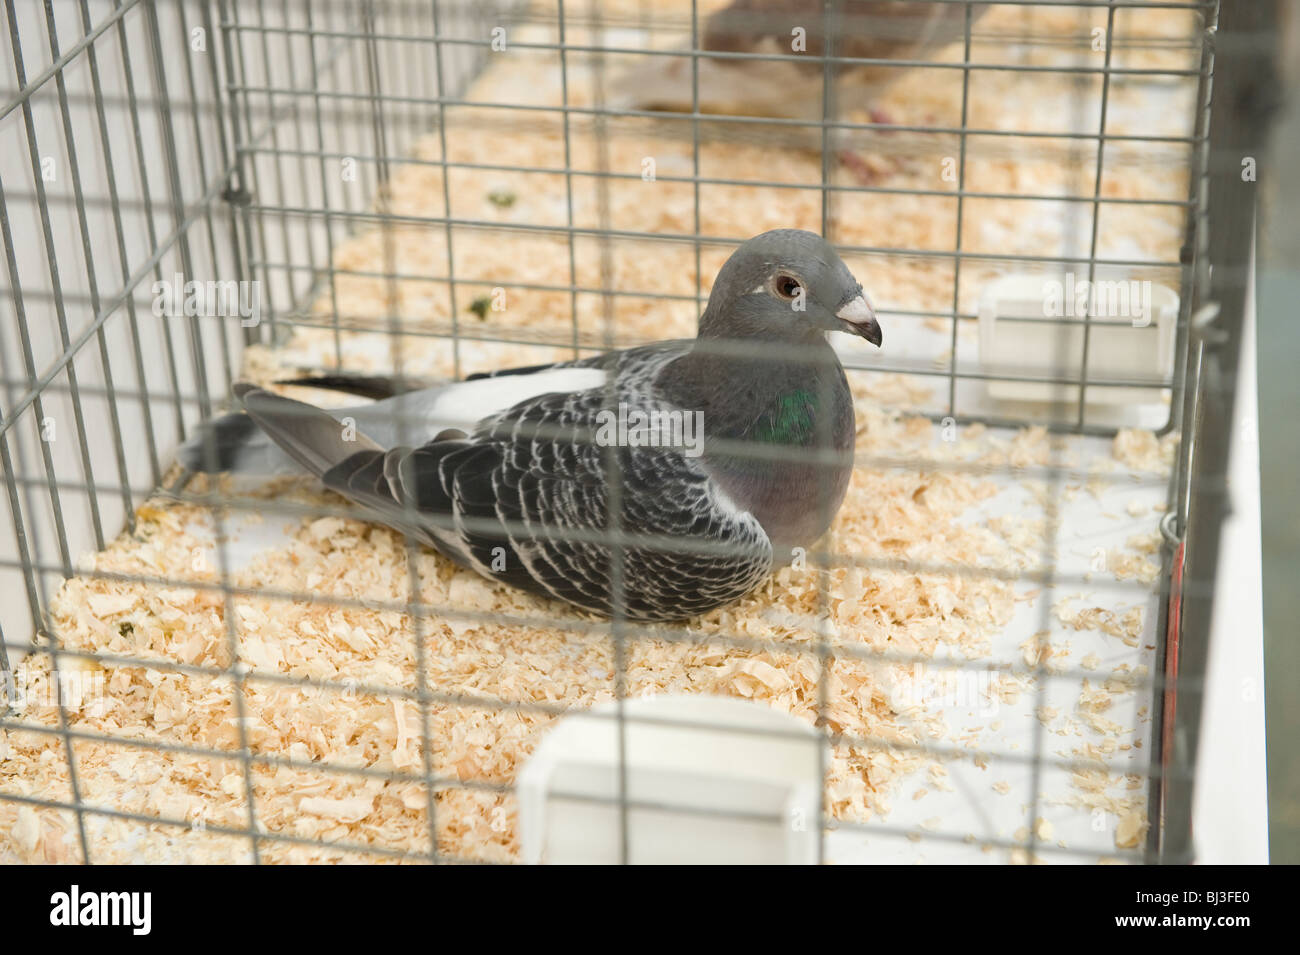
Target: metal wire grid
x=748, y=126
x=279, y=98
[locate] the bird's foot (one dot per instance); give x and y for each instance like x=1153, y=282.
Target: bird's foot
x=882, y=117
x=868, y=170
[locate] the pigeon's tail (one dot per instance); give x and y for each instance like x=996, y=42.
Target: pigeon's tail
x=313, y=438
x=273, y=436
x=345, y=459
x=233, y=442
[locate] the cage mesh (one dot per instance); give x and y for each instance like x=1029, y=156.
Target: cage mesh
x=379, y=177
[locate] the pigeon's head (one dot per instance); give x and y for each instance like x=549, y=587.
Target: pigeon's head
x=788, y=284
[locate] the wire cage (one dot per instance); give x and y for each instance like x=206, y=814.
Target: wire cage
x=199, y=191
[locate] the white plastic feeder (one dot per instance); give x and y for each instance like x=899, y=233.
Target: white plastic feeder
x=710, y=780
x=1131, y=337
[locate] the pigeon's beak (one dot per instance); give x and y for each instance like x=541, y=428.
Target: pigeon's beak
x=859, y=318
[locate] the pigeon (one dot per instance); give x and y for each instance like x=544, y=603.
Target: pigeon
x=792, y=89
x=654, y=483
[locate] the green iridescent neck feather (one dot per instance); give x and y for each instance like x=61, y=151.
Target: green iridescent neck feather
x=790, y=419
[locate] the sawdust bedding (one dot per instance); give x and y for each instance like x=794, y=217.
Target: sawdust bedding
x=498, y=687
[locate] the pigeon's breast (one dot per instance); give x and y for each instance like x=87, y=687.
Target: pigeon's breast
x=795, y=504
x=794, y=489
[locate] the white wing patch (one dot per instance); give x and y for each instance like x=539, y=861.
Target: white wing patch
x=465, y=404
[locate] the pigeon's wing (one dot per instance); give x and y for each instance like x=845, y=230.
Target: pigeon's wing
x=540, y=502
x=374, y=387
x=528, y=500
x=415, y=417
x=525, y=495
x=234, y=442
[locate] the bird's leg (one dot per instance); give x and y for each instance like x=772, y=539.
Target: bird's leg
x=882, y=117
x=866, y=172
x=869, y=170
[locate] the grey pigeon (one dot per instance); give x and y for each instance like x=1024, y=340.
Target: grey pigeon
x=742, y=77
x=517, y=473
x=868, y=30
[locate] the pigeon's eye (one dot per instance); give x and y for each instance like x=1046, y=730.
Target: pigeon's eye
x=787, y=286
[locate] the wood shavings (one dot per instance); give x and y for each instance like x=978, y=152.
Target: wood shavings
x=1091, y=785
x=1127, y=626
x=27, y=830
x=1141, y=450
x=1007, y=687
x=1131, y=829
x=1148, y=543
x=885, y=516
x=351, y=809
x=1092, y=702
x=1133, y=567
x=1125, y=678
x=1041, y=651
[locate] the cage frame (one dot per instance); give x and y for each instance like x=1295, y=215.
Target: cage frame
x=228, y=209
